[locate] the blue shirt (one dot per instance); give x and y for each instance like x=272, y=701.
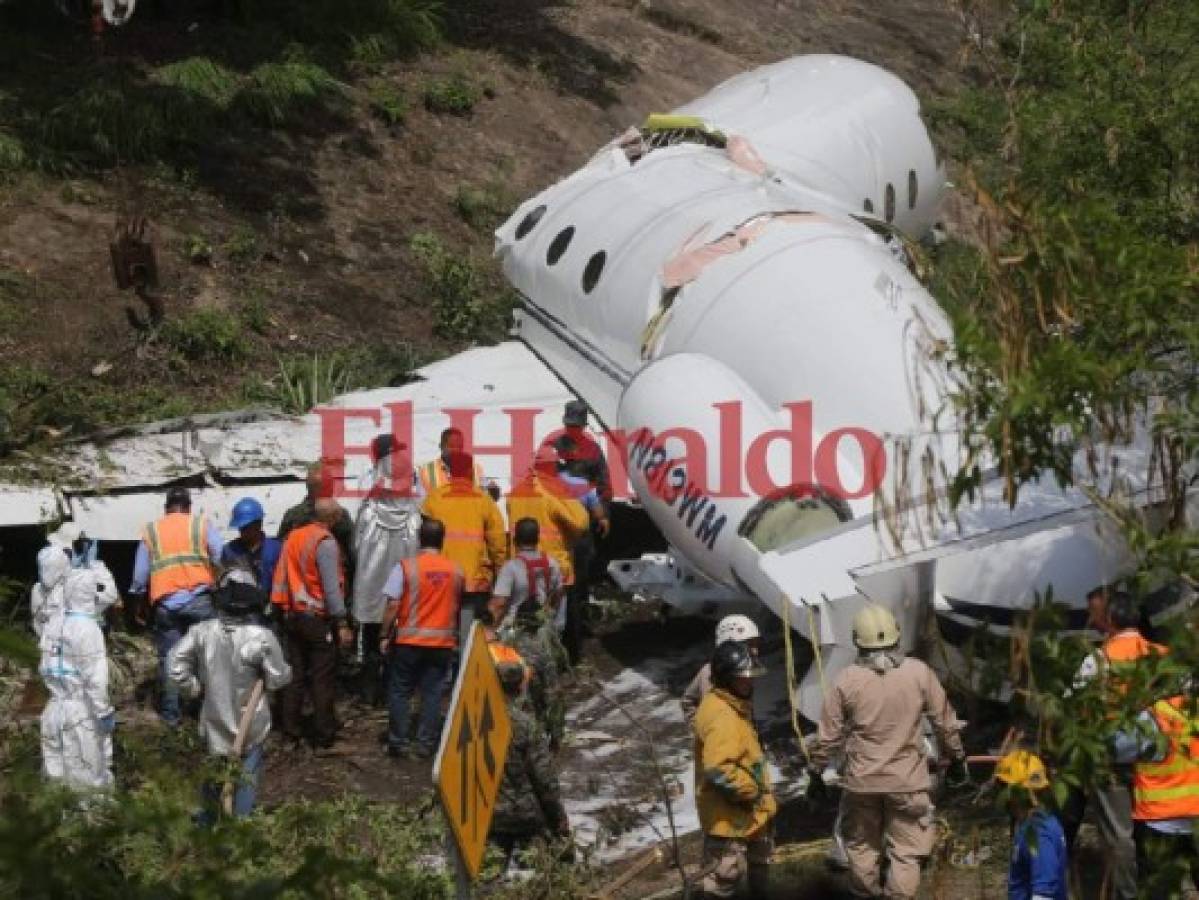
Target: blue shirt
x=261, y=562
x=179, y=599
x=1038, y=867
x=581, y=490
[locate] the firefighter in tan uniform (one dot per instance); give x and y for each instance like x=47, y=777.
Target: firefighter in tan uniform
x=874, y=716
x=732, y=792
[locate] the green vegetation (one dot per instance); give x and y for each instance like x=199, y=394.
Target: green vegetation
x=197, y=249
x=242, y=245
x=387, y=102
x=283, y=93
x=146, y=845
x=12, y=154
x=201, y=78
x=483, y=207
x=468, y=302
x=306, y=382
x=78, y=111
x=205, y=335
x=1075, y=317
x=455, y=95
x=1080, y=309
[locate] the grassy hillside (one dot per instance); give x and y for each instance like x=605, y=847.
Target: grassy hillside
x=322, y=177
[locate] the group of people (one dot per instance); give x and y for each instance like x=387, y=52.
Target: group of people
x=400, y=587
x=405, y=582
x=872, y=728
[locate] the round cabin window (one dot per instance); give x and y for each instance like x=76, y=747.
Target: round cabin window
x=529, y=222
x=558, y=245
x=593, y=271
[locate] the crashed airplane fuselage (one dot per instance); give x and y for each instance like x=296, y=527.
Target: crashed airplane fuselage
x=728, y=287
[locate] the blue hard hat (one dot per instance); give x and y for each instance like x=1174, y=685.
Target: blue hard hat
x=246, y=510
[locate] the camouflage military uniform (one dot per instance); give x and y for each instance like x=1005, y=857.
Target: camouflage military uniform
x=529, y=802
x=538, y=643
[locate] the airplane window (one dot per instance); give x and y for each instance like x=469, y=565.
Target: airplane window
x=558, y=245
x=912, y=186
x=889, y=203
x=868, y=206
x=529, y=222
x=595, y=268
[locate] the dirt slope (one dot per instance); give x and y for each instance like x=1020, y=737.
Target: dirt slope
x=300, y=236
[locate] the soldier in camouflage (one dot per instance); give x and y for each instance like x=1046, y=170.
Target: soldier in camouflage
x=529, y=805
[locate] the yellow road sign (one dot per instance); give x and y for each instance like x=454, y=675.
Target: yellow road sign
x=474, y=746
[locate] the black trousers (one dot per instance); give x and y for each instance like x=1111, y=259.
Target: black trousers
x=577, y=597
x=1163, y=860
x=372, y=684
x=312, y=654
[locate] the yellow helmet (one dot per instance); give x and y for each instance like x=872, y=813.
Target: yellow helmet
x=874, y=628
x=1022, y=769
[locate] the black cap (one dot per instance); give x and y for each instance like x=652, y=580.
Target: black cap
x=576, y=413
x=179, y=496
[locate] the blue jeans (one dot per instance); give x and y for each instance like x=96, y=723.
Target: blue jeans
x=170, y=625
x=244, y=793
x=413, y=669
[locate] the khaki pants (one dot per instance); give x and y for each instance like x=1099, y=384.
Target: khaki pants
x=900, y=825
x=727, y=860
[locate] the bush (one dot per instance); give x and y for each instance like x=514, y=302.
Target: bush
x=373, y=31
x=242, y=245
x=387, y=103
x=12, y=153
x=277, y=94
x=108, y=122
x=305, y=382
x=456, y=283
x=206, y=335
x=484, y=207
x=201, y=78
x=197, y=249
x=255, y=313
x=455, y=94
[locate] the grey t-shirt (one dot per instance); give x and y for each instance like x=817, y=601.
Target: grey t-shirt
x=328, y=563
x=513, y=580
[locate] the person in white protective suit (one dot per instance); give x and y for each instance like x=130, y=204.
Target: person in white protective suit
x=78, y=721
x=68, y=549
x=46, y=599
x=224, y=658
x=385, y=532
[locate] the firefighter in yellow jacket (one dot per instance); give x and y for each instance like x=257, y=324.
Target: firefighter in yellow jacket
x=475, y=537
x=561, y=519
x=732, y=793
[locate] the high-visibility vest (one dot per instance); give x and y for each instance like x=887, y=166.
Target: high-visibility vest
x=298, y=586
x=1129, y=646
x=436, y=473
x=178, y=548
x=1170, y=789
x=1121, y=652
x=428, y=613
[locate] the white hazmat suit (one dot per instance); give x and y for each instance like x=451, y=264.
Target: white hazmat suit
x=385, y=532
x=78, y=720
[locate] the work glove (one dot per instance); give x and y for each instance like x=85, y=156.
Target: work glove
x=958, y=776
x=107, y=724
x=817, y=790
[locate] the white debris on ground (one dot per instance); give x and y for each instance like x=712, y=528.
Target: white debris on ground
x=613, y=793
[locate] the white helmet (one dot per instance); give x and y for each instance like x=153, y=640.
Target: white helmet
x=736, y=628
